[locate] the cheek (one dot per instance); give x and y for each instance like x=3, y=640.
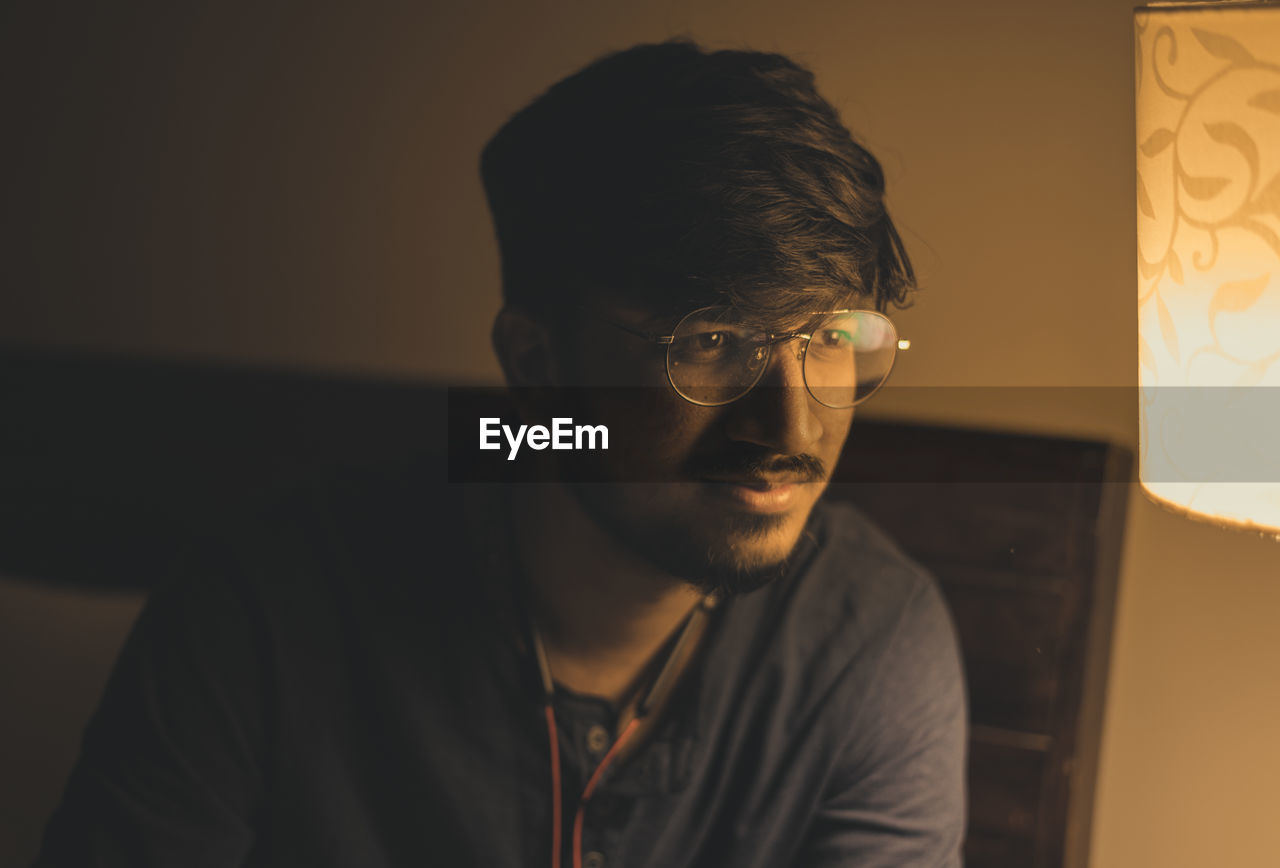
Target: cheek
x=836, y=426
x=663, y=436
x=652, y=431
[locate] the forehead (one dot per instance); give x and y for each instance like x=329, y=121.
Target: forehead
x=798, y=319
x=769, y=304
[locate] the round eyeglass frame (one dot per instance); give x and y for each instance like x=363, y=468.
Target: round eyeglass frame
x=770, y=339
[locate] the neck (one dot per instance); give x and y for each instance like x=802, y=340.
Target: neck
x=602, y=612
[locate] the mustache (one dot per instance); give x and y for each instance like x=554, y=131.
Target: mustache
x=760, y=464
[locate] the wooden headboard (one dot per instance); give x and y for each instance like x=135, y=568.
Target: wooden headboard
x=106, y=465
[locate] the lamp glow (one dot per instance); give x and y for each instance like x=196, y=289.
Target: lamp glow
x=1208, y=192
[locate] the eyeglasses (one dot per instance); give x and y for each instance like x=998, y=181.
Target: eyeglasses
x=715, y=358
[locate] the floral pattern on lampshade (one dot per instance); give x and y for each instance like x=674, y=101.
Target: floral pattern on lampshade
x=1208, y=202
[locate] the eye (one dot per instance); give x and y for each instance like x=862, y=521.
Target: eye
x=831, y=342
x=710, y=345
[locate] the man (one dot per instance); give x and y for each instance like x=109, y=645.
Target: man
x=668, y=653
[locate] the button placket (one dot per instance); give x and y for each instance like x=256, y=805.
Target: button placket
x=597, y=740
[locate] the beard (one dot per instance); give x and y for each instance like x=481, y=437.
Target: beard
x=718, y=561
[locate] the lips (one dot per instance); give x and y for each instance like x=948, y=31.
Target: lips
x=757, y=482
x=756, y=495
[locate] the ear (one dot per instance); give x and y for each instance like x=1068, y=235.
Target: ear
x=523, y=347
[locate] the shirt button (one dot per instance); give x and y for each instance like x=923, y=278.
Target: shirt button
x=597, y=739
x=594, y=859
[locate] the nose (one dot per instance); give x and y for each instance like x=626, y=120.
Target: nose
x=778, y=413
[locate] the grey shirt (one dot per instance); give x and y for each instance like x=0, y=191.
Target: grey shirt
x=349, y=686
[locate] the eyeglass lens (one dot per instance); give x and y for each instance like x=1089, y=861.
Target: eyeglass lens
x=715, y=358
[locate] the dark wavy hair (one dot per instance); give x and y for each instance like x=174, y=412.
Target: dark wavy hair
x=677, y=177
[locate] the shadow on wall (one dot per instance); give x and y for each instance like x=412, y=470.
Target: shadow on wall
x=106, y=466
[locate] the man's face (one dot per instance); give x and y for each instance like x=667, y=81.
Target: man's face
x=718, y=496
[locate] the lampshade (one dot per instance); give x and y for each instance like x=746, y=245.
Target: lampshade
x=1208, y=159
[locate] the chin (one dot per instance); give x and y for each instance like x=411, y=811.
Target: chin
x=733, y=576
x=744, y=560
x=729, y=552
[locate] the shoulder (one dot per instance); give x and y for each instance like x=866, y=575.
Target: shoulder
x=859, y=593
x=858, y=635
x=324, y=553
x=856, y=556
x=893, y=716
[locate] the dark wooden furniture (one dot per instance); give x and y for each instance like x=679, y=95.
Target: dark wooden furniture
x=106, y=465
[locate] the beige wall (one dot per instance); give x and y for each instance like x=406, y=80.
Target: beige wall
x=302, y=191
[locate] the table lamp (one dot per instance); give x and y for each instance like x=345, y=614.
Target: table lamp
x=1208, y=195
